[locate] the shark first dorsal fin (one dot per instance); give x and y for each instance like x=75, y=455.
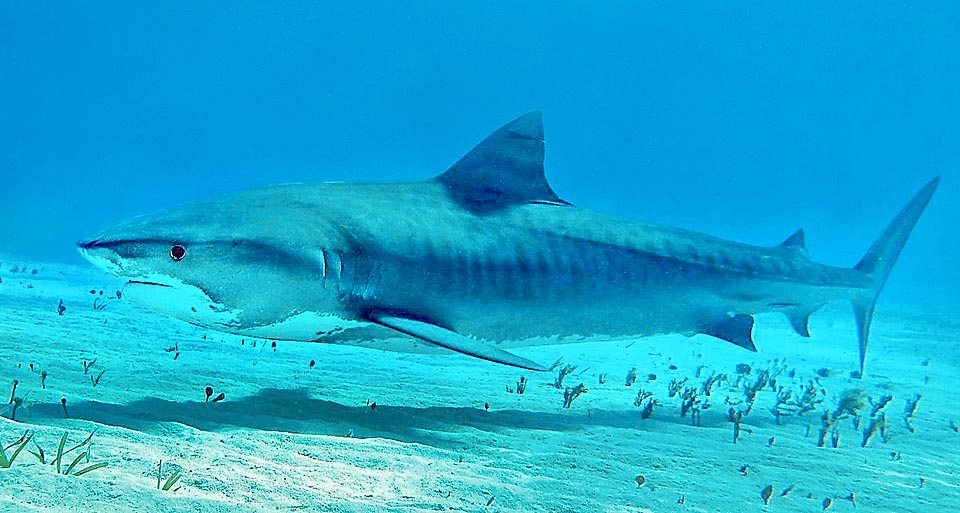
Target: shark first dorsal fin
x=505, y=169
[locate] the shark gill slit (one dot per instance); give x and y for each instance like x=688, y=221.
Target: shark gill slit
x=361, y=276
x=333, y=263
x=357, y=274
x=324, y=266
x=367, y=292
x=350, y=277
x=378, y=278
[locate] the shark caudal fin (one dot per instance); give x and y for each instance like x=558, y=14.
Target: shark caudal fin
x=880, y=258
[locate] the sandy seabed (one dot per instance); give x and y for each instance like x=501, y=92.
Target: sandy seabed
x=445, y=433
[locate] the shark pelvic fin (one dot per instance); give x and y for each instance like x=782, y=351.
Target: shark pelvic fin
x=736, y=330
x=505, y=169
x=452, y=340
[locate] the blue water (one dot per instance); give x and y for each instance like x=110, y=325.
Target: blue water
x=745, y=121
x=742, y=121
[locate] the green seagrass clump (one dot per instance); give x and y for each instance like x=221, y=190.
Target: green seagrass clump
x=72, y=468
x=170, y=481
x=17, y=446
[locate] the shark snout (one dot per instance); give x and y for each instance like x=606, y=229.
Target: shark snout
x=103, y=257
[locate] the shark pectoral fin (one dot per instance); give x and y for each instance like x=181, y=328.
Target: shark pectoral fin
x=736, y=330
x=452, y=340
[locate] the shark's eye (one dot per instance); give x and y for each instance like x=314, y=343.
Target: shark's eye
x=177, y=252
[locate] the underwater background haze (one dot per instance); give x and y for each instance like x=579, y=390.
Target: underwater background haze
x=744, y=120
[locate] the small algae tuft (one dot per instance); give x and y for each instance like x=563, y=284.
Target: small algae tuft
x=572, y=393
x=171, y=480
x=563, y=373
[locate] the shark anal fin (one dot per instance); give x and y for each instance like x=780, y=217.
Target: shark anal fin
x=736, y=330
x=452, y=340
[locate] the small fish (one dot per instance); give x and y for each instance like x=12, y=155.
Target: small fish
x=766, y=493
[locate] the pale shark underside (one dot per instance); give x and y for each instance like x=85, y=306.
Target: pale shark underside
x=481, y=258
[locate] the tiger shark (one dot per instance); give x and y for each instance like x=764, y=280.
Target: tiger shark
x=479, y=259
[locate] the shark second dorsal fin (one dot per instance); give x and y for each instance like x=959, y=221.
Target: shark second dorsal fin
x=796, y=240
x=505, y=169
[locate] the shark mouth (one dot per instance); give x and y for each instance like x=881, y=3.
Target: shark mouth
x=141, y=282
x=178, y=299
